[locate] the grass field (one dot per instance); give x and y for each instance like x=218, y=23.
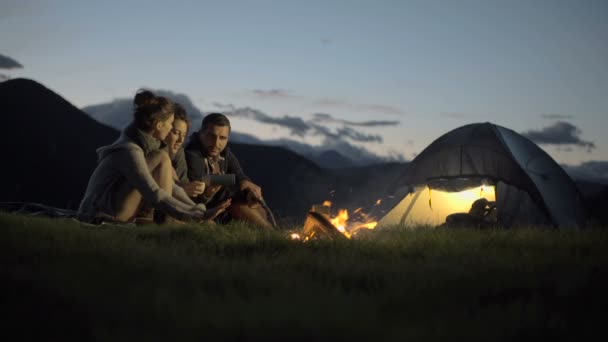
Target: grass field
x=63, y=280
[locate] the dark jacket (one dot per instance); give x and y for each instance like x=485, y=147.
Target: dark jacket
x=179, y=164
x=197, y=168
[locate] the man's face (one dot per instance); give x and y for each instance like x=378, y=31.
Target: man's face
x=214, y=139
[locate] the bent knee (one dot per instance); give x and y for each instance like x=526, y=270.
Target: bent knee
x=158, y=158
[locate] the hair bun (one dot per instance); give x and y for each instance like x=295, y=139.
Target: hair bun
x=144, y=98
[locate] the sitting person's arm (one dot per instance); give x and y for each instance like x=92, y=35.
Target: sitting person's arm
x=192, y=188
x=244, y=182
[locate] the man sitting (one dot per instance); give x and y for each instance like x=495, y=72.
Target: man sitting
x=207, y=154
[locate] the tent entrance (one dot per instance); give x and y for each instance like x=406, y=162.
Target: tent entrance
x=428, y=206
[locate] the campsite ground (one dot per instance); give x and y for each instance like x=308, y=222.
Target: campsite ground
x=63, y=280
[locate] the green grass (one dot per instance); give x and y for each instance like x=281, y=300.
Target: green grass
x=61, y=280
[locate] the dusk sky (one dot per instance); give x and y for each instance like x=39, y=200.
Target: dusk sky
x=388, y=76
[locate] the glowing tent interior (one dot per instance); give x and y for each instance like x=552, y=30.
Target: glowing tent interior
x=484, y=160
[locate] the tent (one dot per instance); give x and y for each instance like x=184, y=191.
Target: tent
x=484, y=160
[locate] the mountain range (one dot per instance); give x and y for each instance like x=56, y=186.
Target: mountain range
x=116, y=113
x=50, y=154
x=51, y=149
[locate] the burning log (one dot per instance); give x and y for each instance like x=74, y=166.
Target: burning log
x=320, y=223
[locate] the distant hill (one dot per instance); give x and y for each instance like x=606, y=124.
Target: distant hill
x=291, y=183
x=50, y=154
x=118, y=113
x=51, y=148
x=333, y=160
x=49, y=145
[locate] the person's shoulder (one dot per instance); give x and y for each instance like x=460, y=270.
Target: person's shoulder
x=227, y=153
x=179, y=157
x=192, y=143
x=120, y=147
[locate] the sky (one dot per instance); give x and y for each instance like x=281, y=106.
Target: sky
x=386, y=76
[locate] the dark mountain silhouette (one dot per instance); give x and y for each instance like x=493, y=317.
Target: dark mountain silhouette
x=51, y=148
x=595, y=197
x=363, y=186
x=49, y=145
x=291, y=183
x=339, y=154
x=333, y=160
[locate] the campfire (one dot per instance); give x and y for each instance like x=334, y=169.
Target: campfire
x=320, y=222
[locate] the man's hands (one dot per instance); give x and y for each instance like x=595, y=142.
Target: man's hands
x=254, y=188
x=194, y=188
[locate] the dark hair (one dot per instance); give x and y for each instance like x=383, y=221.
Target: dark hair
x=216, y=119
x=148, y=109
x=180, y=114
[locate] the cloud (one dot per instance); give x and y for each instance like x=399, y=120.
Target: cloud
x=359, y=156
x=222, y=106
x=324, y=131
x=325, y=40
x=296, y=125
x=9, y=63
x=556, y=116
x=272, y=93
x=358, y=136
x=327, y=118
x=560, y=133
x=360, y=107
x=301, y=128
x=118, y=113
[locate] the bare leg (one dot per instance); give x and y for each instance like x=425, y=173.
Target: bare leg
x=161, y=169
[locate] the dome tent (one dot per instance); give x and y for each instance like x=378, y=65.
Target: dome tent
x=489, y=161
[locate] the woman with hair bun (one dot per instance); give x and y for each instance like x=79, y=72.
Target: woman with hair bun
x=136, y=171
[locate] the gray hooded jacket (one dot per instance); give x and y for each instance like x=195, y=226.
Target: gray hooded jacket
x=122, y=167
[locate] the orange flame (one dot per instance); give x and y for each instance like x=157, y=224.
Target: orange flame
x=313, y=227
x=341, y=223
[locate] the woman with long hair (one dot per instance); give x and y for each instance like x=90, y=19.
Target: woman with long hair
x=175, y=146
x=136, y=171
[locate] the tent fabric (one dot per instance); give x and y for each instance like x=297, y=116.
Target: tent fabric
x=484, y=152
